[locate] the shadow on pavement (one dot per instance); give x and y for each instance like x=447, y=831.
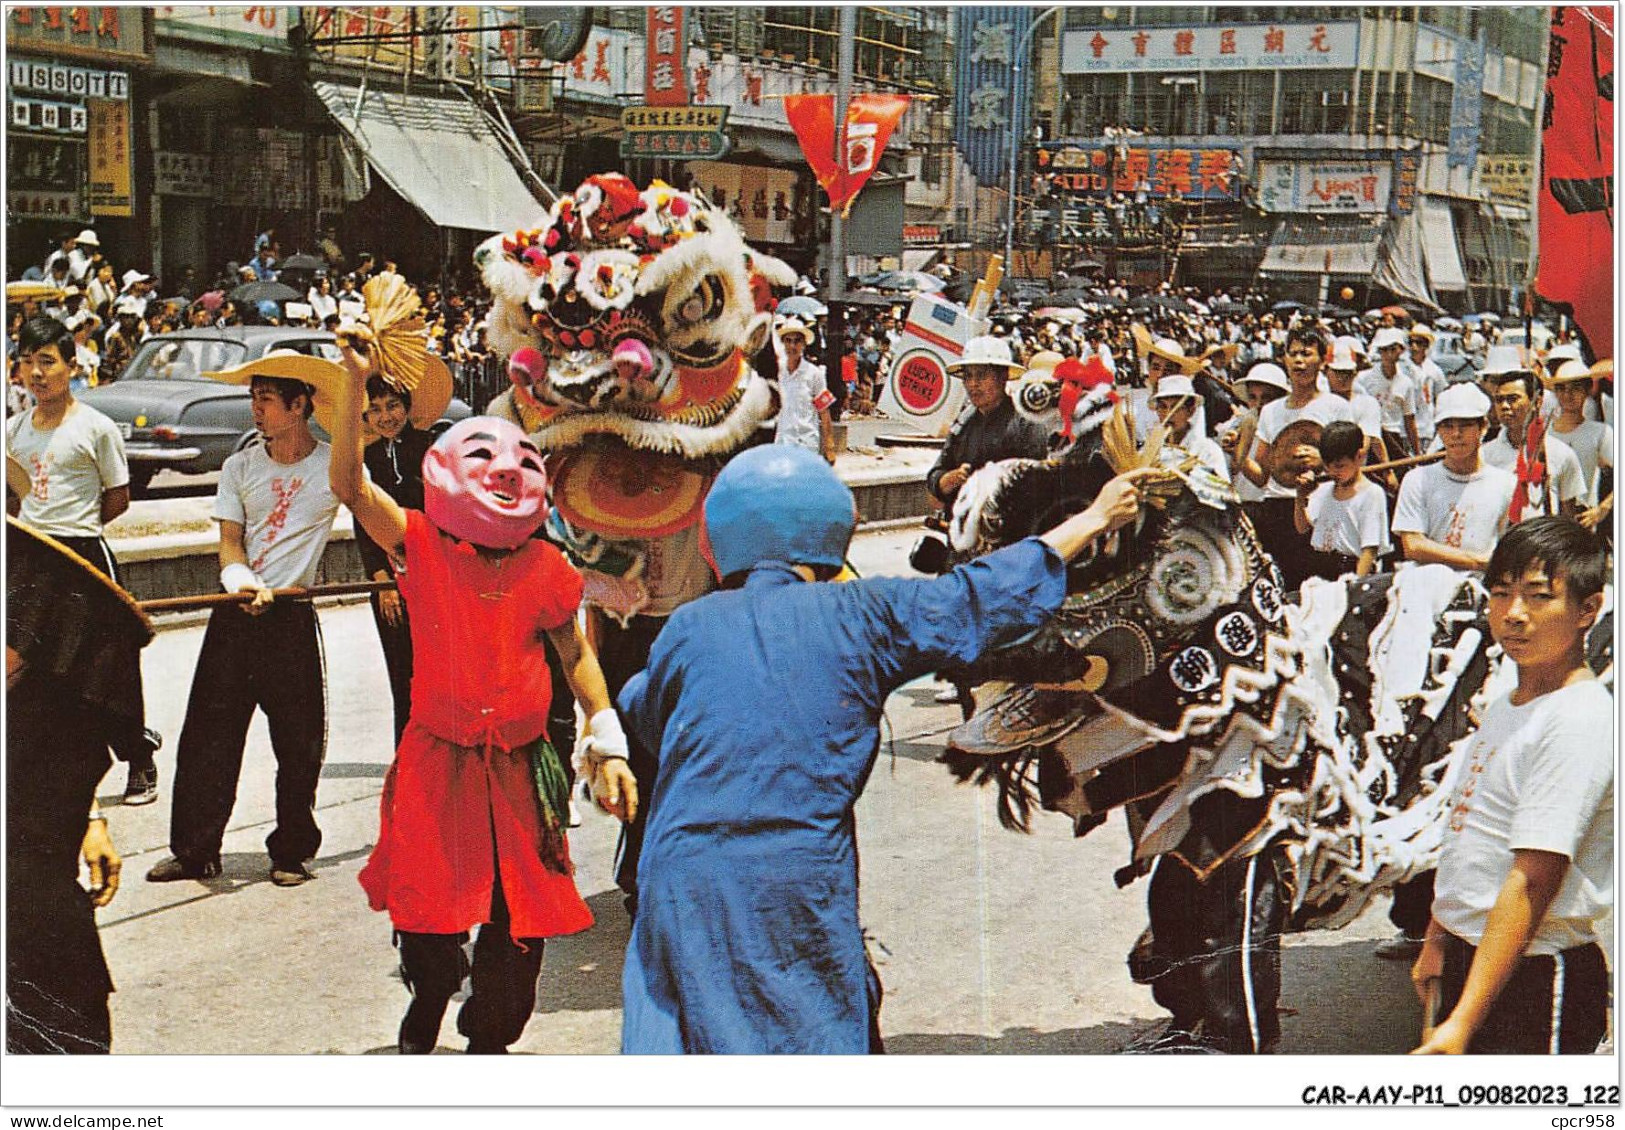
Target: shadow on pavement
x=354, y=770
x=582, y=972
x=1103, y=1039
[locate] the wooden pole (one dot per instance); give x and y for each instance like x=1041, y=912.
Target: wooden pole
x=212, y=599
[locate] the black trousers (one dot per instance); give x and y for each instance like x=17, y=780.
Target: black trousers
x=1216, y=950
x=132, y=746
x=502, y=979
x=1412, y=909
x=1272, y=521
x=1551, y=1005
x=272, y=662
x=622, y=653
x=396, y=640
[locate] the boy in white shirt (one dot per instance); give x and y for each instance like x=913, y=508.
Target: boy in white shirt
x=1527, y=865
x=1394, y=390
x=1175, y=404
x=1345, y=519
x=1452, y=513
x=1592, y=441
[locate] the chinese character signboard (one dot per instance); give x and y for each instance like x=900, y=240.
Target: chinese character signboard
x=693, y=133
x=92, y=31
x=1507, y=178
x=43, y=178
x=1194, y=174
x=665, y=81
x=1407, y=171
x=1324, y=186
x=1466, y=105
x=262, y=26
x=1210, y=47
x=990, y=111
x=424, y=55
x=110, y=158
x=182, y=174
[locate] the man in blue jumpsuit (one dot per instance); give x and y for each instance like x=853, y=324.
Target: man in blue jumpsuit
x=763, y=701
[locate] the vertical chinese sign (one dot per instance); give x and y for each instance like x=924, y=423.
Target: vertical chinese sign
x=989, y=116
x=1576, y=202
x=1467, y=104
x=665, y=78
x=110, y=158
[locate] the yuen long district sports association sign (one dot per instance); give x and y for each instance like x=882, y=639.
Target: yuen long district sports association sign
x=693, y=133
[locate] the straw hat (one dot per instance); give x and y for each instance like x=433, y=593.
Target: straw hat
x=795, y=327
x=1044, y=359
x=1166, y=348
x=1569, y=372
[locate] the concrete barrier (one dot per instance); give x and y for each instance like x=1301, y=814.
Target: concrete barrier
x=182, y=564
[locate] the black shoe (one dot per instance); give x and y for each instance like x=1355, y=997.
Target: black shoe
x=142, y=784
x=153, y=739
x=486, y=1047
x=290, y=874
x=172, y=870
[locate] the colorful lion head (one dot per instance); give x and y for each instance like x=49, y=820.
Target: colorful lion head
x=633, y=315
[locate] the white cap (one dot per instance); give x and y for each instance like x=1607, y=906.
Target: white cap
x=1572, y=370
x=1388, y=335
x=1355, y=345
x=133, y=276
x=985, y=350
x=1343, y=355
x=1502, y=359
x=1422, y=329
x=1461, y=402
x=1567, y=351
x=1269, y=373
x=88, y=238
x=1174, y=384
x=129, y=304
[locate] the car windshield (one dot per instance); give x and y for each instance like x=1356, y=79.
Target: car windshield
x=184, y=359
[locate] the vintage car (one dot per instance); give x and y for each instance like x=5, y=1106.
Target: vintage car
x=173, y=418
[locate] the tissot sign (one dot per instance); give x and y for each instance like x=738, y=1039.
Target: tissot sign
x=1210, y=47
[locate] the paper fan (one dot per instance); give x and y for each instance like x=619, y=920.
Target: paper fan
x=395, y=314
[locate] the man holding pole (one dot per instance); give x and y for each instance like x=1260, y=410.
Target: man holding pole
x=275, y=510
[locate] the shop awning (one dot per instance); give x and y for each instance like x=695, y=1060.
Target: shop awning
x=1439, y=246
x=1314, y=245
x=438, y=154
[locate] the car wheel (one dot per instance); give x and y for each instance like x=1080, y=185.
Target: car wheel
x=141, y=480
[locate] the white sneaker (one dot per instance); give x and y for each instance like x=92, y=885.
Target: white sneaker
x=575, y=815
x=951, y=694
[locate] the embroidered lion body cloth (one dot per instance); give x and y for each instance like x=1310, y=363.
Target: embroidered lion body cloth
x=630, y=319
x=1179, y=680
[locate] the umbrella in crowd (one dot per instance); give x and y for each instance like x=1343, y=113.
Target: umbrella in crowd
x=1161, y=302
x=35, y=289
x=1492, y=319
x=802, y=306
x=1446, y=324
x=1288, y=307
x=917, y=281
x=256, y=292
x=303, y=262
x=1224, y=304
x=1061, y=313
x=1337, y=312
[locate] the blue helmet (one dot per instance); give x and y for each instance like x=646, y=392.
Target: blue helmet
x=778, y=502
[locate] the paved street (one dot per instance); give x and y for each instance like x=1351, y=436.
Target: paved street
x=988, y=941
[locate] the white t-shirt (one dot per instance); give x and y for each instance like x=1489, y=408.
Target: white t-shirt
x=1324, y=409
x=802, y=392
x=1396, y=396
x=71, y=466
x=1460, y=511
x=1593, y=445
x=1534, y=777
x=1563, y=471
x=1349, y=526
x=1367, y=413
x=1430, y=382
x=1208, y=453
x=286, y=511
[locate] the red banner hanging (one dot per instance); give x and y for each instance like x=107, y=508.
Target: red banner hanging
x=1577, y=172
x=665, y=75
x=870, y=120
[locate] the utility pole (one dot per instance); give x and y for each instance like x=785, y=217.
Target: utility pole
x=1015, y=137
x=835, y=327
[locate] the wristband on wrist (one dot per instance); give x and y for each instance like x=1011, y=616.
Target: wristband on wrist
x=98, y=815
x=236, y=577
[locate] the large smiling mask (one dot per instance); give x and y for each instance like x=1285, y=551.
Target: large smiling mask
x=483, y=483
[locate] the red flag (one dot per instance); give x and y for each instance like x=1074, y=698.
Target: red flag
x=1577, y=172
x=665, y=78
x=870, y=120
